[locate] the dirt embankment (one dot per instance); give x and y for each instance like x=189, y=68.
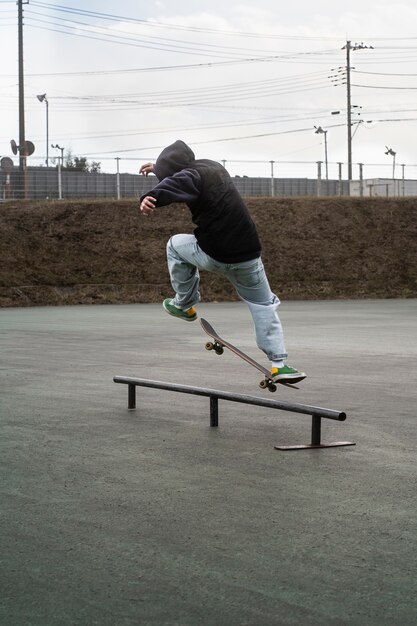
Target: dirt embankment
x=105, y=252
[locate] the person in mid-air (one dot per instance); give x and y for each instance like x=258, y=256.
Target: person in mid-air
x=225, y=242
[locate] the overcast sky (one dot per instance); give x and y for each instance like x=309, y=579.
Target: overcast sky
x=242, y=82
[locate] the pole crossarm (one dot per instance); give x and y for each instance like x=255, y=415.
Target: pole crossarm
x=316, y=413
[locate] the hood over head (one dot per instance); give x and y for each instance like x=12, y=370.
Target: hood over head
x=173, y=159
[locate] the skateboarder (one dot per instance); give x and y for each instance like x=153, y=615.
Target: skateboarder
x=225, y=242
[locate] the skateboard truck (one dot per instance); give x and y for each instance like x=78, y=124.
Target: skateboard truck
x=218, y=346
x=266, y=383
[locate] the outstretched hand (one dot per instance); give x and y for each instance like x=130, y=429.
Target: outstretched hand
x=146, y=168
x=147, y=206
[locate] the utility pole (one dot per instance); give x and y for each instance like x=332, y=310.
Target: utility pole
x=348, y=47
x=21, y=84
x=22, y=140
x=349, y=111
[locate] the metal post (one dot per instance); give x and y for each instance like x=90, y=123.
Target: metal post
x=349, y=47
x=22, y=150
x=131, y=396
x=349, y=112
x=272, y=179
x=60, y=165
x=118, y=178
x=59, y=180
x=315, y=430
x=214, y=411
x=403, y=179
x=320, y=131
x=47, y=132
x=319, y=178
x=391, y=152
x=340, y=180
x=361, y=179
x=42, y=98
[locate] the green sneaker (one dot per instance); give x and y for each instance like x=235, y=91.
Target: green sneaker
x=189, y=315
x=287, y=374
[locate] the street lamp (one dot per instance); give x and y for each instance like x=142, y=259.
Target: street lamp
x=320, y=131
x=60, y=162
x=43, y=98
x=59, y=148
x=392, y=153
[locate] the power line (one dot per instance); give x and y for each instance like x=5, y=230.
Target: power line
x=384, y=87
x=157, y=24
x=154, y=43
x=381, y=73
x=300, y=56
x=162, y=40
x=228, y=91
x=269, y=58
x=153, y=131
x=257, y=136
x=120, y=105
x=137, y=43
x=225, y=139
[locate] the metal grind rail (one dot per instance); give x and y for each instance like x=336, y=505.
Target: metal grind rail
x=317, y=413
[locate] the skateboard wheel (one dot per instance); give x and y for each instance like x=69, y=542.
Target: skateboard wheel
x=209, y=345
x=263, y=384
x=219, y=350
x=272, y=387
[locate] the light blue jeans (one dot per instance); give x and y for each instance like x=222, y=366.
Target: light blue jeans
x=186, y=258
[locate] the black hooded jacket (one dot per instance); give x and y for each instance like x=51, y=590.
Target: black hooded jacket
x=225, y=230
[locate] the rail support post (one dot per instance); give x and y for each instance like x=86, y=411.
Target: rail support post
x=214, y=411
x=316, y=438
x=315, y=430
x=131, y=396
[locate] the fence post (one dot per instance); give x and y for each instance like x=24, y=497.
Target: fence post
x=59, y=179
x=361, y=179
x=118, y=179
x=272, y=179
x=319, y=178
x=339, y=184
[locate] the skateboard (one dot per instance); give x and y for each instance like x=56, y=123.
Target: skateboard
x=218, y=344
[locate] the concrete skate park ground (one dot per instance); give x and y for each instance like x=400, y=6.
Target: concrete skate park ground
x=151, y=517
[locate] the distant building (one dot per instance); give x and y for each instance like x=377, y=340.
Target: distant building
x=383, y=187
